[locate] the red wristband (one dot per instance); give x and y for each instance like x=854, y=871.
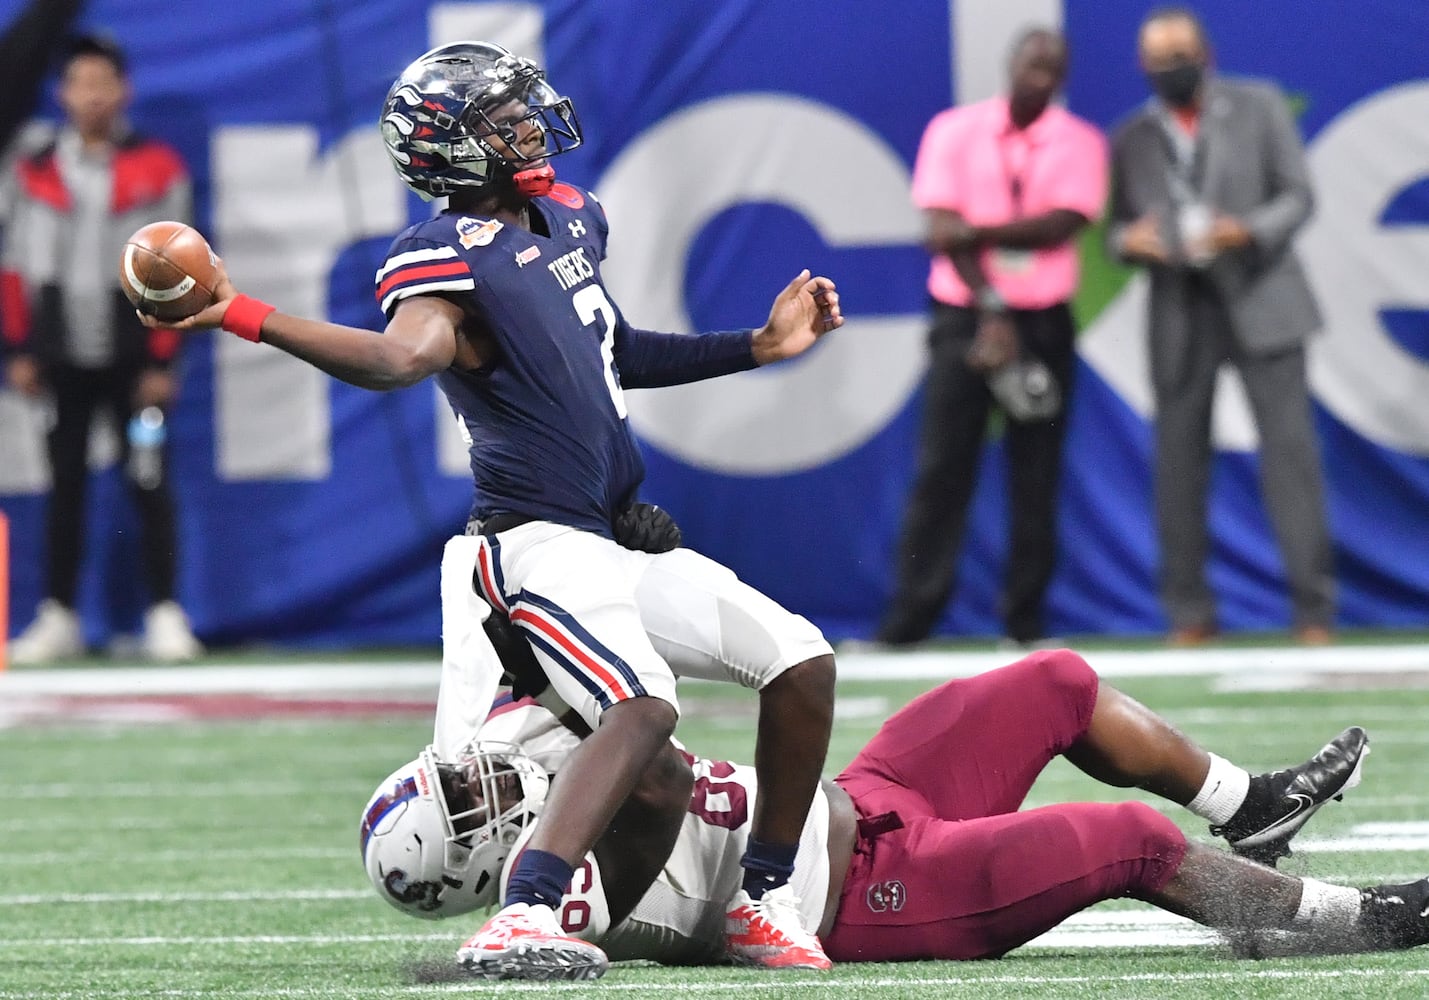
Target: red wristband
x=244, y=317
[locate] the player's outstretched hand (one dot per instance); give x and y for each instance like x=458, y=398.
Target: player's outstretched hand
x=803, y=312
x=208, y=318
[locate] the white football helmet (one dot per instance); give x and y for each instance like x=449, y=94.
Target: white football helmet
x=435, y=834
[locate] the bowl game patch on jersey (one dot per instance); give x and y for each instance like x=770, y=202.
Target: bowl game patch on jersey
x=477, y=232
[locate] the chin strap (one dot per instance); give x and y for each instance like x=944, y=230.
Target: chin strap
x=536, y=182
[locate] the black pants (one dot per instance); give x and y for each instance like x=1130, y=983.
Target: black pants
x=79, y=393
x=957, y=405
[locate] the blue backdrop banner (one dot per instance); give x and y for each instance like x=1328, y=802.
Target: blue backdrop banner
x=734, y=144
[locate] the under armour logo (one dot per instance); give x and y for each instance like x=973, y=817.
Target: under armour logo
x=889, y=895
x=577, y=228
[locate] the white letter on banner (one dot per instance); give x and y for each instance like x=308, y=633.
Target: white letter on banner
x=769, y=148
x=519, y=27
x=1360, y=161
x=282, y=215
x=983, y=34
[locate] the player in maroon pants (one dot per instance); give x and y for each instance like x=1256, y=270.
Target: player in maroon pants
x=928, y=856
x=945, y=866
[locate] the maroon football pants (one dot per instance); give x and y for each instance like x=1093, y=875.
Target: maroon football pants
x=945, y=867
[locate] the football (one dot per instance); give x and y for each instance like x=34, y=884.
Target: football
x=168, y=271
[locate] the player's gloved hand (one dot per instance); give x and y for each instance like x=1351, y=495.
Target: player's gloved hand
x=526, y=677
x=645, y=527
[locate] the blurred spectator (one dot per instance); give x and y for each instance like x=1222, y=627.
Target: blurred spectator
x=69, y=332
x=26, y=49
x=1210, y=188
x=1005, y=184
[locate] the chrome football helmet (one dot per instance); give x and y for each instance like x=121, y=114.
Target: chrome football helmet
x=452, y=120
x=435, y=834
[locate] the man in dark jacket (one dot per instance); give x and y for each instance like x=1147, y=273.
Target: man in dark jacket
x=1209, y=188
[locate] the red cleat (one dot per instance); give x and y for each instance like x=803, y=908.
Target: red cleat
x=526, y=942
x=768, y=933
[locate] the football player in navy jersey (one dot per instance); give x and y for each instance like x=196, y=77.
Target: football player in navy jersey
x=500, y=297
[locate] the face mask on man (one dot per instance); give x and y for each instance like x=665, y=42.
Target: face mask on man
x=1177, y=86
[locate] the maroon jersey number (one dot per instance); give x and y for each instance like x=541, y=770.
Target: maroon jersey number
x=724, y=804
x=575, y=912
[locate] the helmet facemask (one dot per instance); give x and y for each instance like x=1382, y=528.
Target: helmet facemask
x=436, y=834
x=489, y=795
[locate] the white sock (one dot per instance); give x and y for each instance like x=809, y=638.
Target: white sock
x=1223, y=792
x=1326, y=907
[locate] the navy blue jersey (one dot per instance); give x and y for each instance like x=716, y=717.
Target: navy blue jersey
x=546, y=417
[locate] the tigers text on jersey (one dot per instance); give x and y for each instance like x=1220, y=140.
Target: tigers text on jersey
x=546, y=417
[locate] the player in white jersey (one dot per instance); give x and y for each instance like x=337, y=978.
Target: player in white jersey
x=926, y=852
x=681, y=918
x=898, y=887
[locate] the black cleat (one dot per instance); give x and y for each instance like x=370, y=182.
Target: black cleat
x=1395, y=916
x=1265, y=824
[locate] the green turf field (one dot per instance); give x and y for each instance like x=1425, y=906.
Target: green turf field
x=220, y=860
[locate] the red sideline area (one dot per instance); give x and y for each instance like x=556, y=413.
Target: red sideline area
x=121, y=709
x=122, y=693
x=4, y=589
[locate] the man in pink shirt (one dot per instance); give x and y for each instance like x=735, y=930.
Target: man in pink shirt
x=1005, y=185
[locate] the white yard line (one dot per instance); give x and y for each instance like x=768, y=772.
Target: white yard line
x=1236, y=664
x=268, y=678
x=843, y=980
x=1095, y=928
x=1244, y=665
x=125, y=898
x=27, y=858
x=171, y=790
x=159, y=940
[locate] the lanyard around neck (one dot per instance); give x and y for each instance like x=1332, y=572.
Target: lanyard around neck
x=1016, y=187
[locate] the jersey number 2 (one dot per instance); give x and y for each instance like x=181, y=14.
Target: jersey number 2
x=591, y=304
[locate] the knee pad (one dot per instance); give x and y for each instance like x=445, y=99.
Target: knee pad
x=1071, y=678
x=1153, y=837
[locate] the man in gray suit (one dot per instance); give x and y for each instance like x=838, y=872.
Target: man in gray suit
x=1209, y=187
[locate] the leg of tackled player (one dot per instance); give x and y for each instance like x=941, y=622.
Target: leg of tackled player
x=524, y=940
x=1128, y=745
x=796, y=711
